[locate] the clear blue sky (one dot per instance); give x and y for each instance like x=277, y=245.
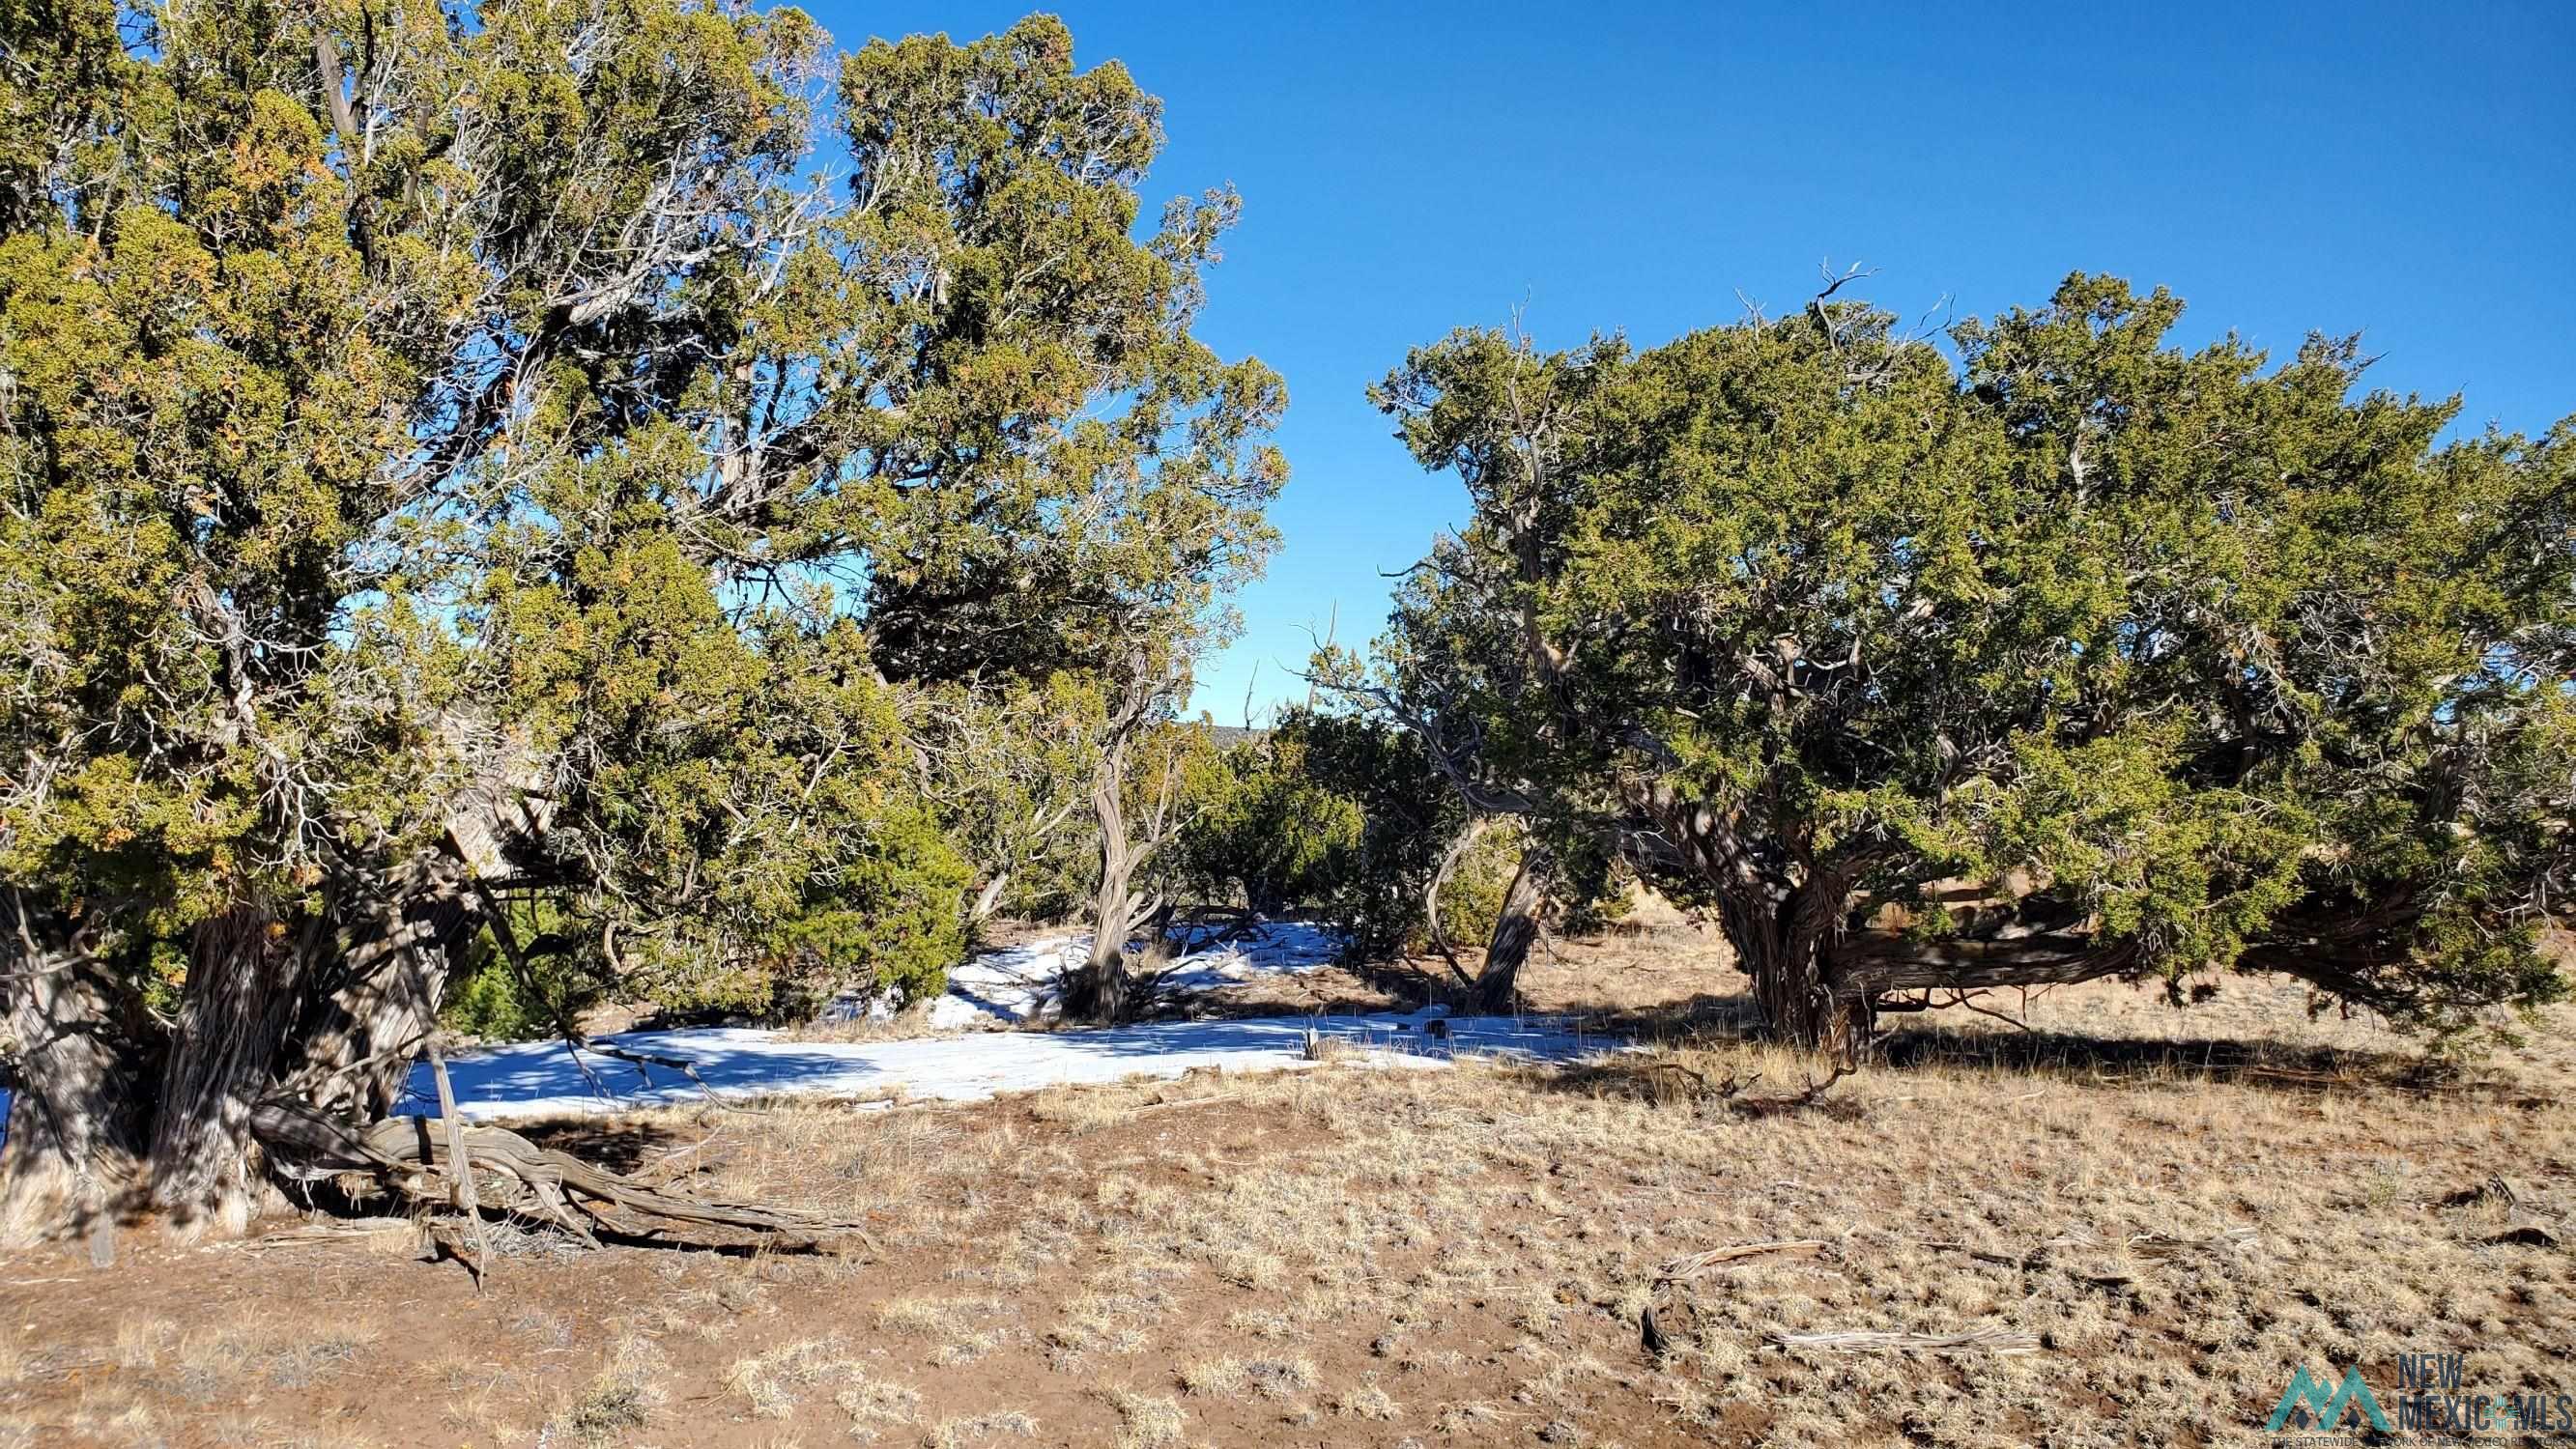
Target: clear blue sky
x=2407, y=171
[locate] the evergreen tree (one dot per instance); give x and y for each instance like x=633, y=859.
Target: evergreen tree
x=462, y=472
x=2080, y=655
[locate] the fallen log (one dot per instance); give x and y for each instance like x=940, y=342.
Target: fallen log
x=414, y=1156
x=318, y=1234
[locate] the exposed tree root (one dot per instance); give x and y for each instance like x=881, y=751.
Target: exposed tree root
x=411, y=1156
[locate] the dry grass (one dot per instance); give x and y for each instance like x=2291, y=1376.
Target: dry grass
x=961, y=1330
x=1368, y=1401
x=1146, y=1422
x=1276, y=1378
x=2177, y=1209
x=620, y=1399
x=235, y=1358
x=774, y=1381
x=981, y=1429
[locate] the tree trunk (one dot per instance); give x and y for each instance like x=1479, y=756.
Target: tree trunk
x=989, y=898
x=244, y=970
x=75, y=1136
x=1819, y=986
x=1787, y=950
x=1515, y=928
x=1459, y=845
x=354, y=1051
x=368, y=1010
x=1783, y=930
x=1099, y=992
x=1794, y=985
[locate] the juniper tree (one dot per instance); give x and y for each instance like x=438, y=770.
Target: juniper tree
x=2073, y=653
x=1008, y=766
x=464, y=470
x=1276, y=828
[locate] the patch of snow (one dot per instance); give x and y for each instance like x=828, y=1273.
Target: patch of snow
x=1021, y=983
x=1269, y=949
x=1016, y=983
x=540, y=1079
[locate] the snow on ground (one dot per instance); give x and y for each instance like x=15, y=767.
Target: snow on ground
x=997, y=988
x=540, y=1079
x=1019, y=983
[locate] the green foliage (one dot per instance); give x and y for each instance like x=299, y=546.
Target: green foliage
x=2199, y=661
x=1471, y=900
x=1331, y=812
x=486, y=1001
x=1268, y=830
x=1407, y=814
x=426, y=423
x=1009, y=771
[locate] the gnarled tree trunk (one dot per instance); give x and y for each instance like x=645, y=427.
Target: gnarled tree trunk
x=1515, y=930
x=246, y=968
x=1104, y=989
x=1788, y=953
x=1783, y=925
x=1100, y=991
x=75, y=1134
x=370, y=1007
x=328, y=1011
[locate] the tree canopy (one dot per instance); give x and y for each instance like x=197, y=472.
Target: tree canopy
x=2061, y=652
x=465, y=466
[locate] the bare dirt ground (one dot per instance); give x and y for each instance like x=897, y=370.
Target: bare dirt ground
x=2155, y=1215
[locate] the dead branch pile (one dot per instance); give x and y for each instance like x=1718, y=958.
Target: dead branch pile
x=412, y=1156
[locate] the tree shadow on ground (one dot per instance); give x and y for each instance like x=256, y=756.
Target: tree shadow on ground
x=1718, y=1024
x=2115, y=1060
x=620, y=1145
x=1707, y=1015
x=1371, y=988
